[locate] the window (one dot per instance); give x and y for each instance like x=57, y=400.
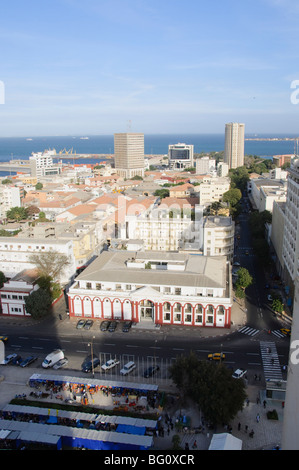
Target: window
x=88, y=285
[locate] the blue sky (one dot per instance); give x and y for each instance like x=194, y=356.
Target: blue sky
x=102, y=66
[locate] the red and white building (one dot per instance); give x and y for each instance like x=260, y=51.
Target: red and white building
x=160, y=287
x=14, y=292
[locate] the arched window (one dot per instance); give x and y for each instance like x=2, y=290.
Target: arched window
x=188, y=313
x=198, y=314
x=166, y=312
x=210, y=315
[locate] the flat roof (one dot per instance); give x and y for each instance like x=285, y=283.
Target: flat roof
x=203, y=271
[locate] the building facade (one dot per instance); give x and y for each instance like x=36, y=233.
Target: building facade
x=157, y=287
x=14, y=292
x=290, y=250
x=180, y=156
x=129, y=154
x=15, y=253
x=234, y=144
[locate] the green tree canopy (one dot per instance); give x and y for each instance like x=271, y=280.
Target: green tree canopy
x=161, y=193
x=211, y=386
x=17, y=213
x=244, y=278
x=38, y=303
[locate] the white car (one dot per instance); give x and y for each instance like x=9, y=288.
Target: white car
x=63, y=362
x=110, y=364
x=239, y=373
x=9, y=358
x=129, y=367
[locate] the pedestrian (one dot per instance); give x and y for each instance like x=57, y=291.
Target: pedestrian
x=194, y=445
x=186, y=446
x=264, y=403
x=257, y=418
x=246, y=428
x=239, y=426
x=251, y=434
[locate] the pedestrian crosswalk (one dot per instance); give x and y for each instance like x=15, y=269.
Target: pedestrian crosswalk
x=248, y=330
x=271, y=364
x=278, y=333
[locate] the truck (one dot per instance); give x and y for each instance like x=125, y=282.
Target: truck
x=52, y=358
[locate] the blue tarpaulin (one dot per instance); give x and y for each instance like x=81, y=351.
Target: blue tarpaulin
x=128, y=429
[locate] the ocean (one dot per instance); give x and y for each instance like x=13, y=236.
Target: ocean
x=12, y=148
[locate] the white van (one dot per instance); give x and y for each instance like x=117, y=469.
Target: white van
x=52, y=358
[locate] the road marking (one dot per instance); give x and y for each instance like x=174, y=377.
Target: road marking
x=178, y=349
x=37, y=347
x=131, y=346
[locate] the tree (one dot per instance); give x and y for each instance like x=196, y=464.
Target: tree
x=38, y=303
x=244, y=279
x=50, y=263
x=277, y=305
x=218, y=395
x=17, y=213
x=39, y=186
x=232, y=196
x=2, y=278
x=162, y=193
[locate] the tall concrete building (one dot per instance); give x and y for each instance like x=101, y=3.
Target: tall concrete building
x=129, y=154
x=290, y=435
x=290, y=249
x=234, y=144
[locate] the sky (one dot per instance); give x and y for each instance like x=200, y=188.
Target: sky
x=97, y=67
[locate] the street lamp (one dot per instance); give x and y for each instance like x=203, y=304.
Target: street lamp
x=91, y=350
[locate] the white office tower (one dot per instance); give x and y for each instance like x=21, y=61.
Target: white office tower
x=290, y=435
x=234, y=144
x=180, y=156
x=129, y=154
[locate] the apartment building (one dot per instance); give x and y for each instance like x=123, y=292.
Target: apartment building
x=234, y=144
x=157, y=287
x=212, y=190
x=205, y=165
x=14, y=292
x=10, y=196
x=15, y=255
x=218, y=236
x=264, y=191
x=42, y=165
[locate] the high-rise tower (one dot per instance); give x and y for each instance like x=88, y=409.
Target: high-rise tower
x=234, y=144
x=129, y=154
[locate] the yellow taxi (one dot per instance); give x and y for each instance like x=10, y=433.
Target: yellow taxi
x=216, y=357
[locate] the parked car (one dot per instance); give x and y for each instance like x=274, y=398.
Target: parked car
x=88, y=324
x=129, y=367
x=28, y=360
x=61, y=363
x=127, y=326
x=239, y=373
x=151, y=371
x=90, y=363
x=80, y=324
x=112, y=327
x=110, y=364
x=216, y=357
x=270, y=298
x=17, y=360
x=9, y=358
x=104, y=325
x=3, y=338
